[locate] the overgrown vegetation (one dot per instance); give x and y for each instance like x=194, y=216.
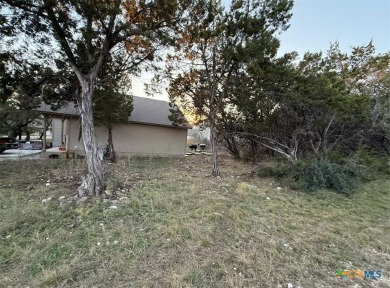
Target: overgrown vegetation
x=343, y=176
x=326, y=175
x=174, y=226
x=327, y=103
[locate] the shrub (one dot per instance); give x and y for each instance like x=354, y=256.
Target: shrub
x=377, y=166
x=278, y=171
x=316, y=175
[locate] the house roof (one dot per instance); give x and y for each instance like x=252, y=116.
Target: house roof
x=68, y=109
x=146, y=111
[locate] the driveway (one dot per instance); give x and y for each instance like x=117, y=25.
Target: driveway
x=16, y=154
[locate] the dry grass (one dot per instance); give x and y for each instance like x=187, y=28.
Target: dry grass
x=181, y=228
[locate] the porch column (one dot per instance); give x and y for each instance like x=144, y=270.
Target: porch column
x=62, y=130
x=44, y=134
x=67, y=135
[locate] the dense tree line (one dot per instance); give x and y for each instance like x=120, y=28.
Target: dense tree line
x=323, y=103
x=225, y=69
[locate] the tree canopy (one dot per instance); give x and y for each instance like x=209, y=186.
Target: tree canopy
x=214, y=46
x=89, y=34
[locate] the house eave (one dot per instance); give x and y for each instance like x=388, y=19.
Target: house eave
x=162, y=125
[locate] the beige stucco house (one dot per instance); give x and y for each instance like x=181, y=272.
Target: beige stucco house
x=149, y=131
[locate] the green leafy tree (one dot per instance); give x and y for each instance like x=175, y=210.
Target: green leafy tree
x=332, y=116
x=212, y=49
x=85, y=33
x=255, y=122
x=293, y=109
x=364, y=75
x=24, y=86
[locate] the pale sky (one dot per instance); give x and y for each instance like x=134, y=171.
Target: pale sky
x=317, y=23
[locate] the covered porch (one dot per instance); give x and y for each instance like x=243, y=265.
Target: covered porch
x=57, y=153
x=60, y=122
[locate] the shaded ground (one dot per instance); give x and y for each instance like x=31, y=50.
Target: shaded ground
x=174, y=226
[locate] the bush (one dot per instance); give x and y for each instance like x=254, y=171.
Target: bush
x=377, y=166
x=278, y=171
x=316, y=175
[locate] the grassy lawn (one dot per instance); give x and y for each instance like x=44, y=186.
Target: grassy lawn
x=174, y=226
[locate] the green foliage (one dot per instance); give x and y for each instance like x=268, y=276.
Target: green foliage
x=111, y=110
x=314, y=175
x=325, y=103
x=222, y=45
x=278, y=171
x=317, y=175
x=376, y=165
x=24, y=85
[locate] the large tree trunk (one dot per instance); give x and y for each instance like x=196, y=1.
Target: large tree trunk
x=93, y=181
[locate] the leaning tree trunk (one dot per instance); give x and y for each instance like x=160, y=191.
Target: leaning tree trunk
x=93, y=181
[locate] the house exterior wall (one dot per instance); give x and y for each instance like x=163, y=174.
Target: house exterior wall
x=58, y=126
x=56, y=131
x=132, y=138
